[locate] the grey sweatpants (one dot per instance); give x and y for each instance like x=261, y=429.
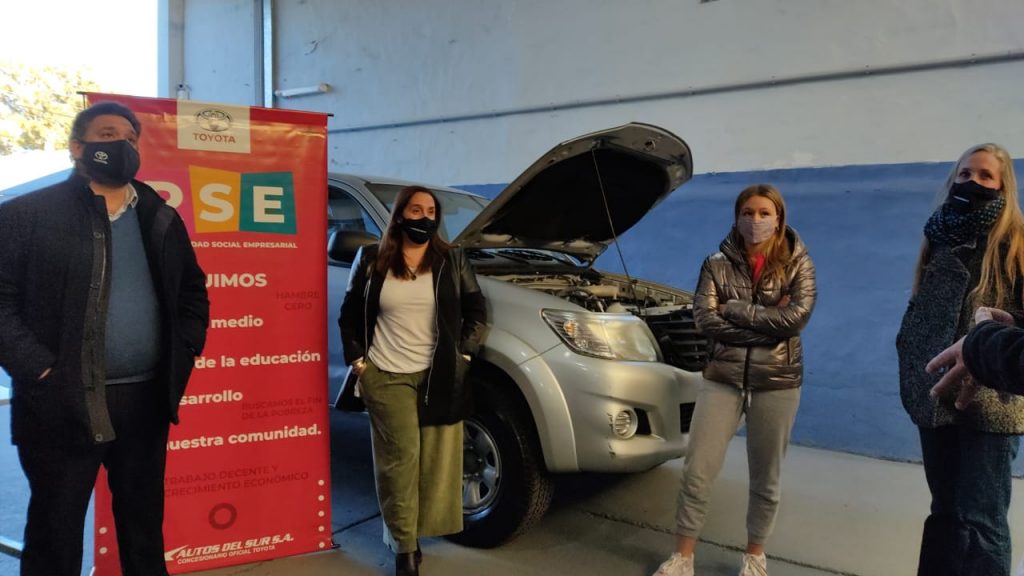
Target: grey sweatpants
x=770, y=415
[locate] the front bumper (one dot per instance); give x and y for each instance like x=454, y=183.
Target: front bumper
x=595, y=390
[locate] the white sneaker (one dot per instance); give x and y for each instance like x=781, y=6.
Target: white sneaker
x=676, y=565
x=754, y=565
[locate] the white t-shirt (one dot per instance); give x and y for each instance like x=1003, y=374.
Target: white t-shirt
x=405, y=335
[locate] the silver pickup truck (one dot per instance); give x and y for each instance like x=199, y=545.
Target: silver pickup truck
x=582, y=370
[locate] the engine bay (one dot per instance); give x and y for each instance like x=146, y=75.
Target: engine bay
x=602, y=294
x=667, y=311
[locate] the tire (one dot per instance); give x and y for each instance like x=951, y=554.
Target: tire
x=506, y=489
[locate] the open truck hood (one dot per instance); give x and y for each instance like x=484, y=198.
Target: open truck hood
x=584, y=192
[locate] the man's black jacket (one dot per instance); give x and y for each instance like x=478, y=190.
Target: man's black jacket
x=54, y=288
x=994, y=355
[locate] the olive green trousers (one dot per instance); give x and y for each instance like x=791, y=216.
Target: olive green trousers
x=418, y=470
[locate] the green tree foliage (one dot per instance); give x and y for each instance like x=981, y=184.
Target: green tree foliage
x=38, y=104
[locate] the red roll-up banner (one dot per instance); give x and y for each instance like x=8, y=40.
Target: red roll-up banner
x=248, y=468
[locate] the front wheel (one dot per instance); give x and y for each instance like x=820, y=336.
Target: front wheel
x=505, y=488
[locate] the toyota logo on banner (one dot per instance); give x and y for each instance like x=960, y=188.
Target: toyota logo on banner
x=213, y=120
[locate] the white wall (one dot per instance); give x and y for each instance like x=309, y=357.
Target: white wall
x=211, y=47
x=409, y=60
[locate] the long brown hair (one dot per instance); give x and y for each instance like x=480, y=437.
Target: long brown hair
x=1004, y=255
x=390, y=256
x=777, y=251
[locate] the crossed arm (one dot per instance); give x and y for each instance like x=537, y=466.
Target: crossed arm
x=745, y=323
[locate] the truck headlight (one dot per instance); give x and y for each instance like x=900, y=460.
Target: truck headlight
x=610, y=336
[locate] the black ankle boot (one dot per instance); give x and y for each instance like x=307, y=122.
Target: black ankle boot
x=419, y=554
x=405, y=564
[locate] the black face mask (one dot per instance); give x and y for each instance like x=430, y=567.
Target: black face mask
x=420, y=230
x=970, y=196
x=112, y=163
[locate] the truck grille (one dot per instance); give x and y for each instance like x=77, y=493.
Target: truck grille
x=682, y=345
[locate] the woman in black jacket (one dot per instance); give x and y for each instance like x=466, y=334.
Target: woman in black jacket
x=412, y=319
x=972, y=256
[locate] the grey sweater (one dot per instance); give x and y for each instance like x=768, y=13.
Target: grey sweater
x=133, y=312
x=936, y=317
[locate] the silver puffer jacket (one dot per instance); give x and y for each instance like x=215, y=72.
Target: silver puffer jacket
x=754, y=343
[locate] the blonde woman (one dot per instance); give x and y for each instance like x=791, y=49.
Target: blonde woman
x=972, y=256
x=754, y=297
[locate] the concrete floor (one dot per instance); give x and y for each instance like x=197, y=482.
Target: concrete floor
x=569, y=541
x=841, y=514
x=581, y=533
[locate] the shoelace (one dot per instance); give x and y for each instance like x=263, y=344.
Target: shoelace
x=752, y=566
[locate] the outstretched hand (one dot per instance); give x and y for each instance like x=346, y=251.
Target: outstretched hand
x=950, y=363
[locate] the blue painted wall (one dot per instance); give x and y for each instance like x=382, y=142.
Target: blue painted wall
x=863, y=226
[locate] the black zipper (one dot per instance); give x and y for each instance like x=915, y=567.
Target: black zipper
x=366, y=315
x=437, y=329
x=746, y=362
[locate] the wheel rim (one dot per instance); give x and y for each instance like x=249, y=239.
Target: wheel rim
x=481, y=468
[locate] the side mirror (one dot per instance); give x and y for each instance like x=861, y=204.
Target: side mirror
x=344, y=244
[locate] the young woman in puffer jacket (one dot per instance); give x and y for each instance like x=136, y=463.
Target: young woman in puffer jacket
x=972, y=256
x=753, y=299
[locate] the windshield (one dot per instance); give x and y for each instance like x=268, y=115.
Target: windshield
x=458, y=210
